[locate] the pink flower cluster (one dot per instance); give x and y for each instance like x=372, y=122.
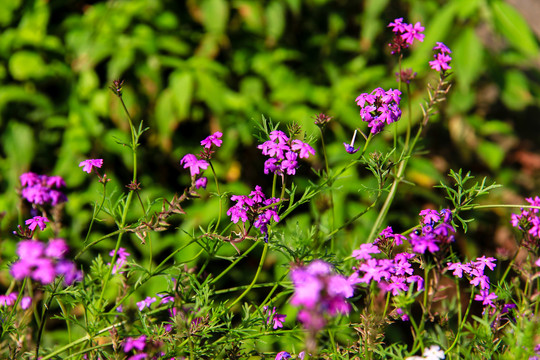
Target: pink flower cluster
x=273, y=317
x=284, y=153
x=43, y=263
x=42, y=189
x=436, y=232
x=319, y=291
x=10, y=299
x=529, y=222
x=392, y=275
x=442, y=58
x=475, y=273
x=405, y=34
x=255, y=208
x=379, y=108
x=196, y=164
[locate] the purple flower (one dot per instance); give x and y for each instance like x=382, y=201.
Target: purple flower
x=304, y=149
x=289, y=164
x=137, y=344
x=8, y=300
x=215, y=139
x=430, y=216
x=442, y=48
x=482, y=262
x=121, y=259
x=26, y=302
x=364, y=252
x=201, y=183
x=70, y=272
x=195, y=165
x=89, y=164
x=146, y=303
x=459, y=268
x=441, y=62
x=413, y=32
x=319, y=292
x=274, y=318
x=56, y=248
x=282, y=355
x=398, y=26
x=379, y=108
x=37, y=221
x=486, y=297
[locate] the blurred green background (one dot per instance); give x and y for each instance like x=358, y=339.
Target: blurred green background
x=194, y=67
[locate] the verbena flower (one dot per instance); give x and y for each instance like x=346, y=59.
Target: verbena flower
x=405, y=34
x=44, y=263
x=194, y=164
x=89, y=164
x=442, y=58
x=214, y=139
x=283, y=153
x=42, y=189
x=253, y=209
x=37, y=221
x=137, y=344
x=274, y=318
x=146, y=303
x=319, y=292
x=434, y=352
x=121, y=260
x=379, y=108
x=283, y=355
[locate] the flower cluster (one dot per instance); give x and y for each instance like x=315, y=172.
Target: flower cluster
x=379, y=108
x=319, y=291
x=284, y=153
x=44, y=263
x=442, y=58
x=528, y=221
x=405, y=34
x=434, y=352
x=274, y=318
x=255, y=208
x=121, y=260
x=392, y=275
x=436, y=232
x=42, y=189
x=196, y=164
x=10, y=299
x=475, y=273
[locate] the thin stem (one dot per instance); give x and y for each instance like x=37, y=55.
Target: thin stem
x=259, y=268
x=44, y=314
x=325, y=156
x=96, y=212
x=461, y=323
x=219, y=194
x=214, y=280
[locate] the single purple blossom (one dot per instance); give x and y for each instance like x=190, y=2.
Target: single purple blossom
x=146, y=303
x=37, y=221
x=26, y=301
x=201, y=183
x=282, y=355
x=215, y=139
x=365, y=251
x=195, y=165
x=89, y=164
x=137, y=344
x=486, y=297
x=413, y=32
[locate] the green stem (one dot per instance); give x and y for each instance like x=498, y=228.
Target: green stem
x=259, y=268
x=462, y=322
x=325, y=156
x=219, y=194
x=96, y=212
x=233, y=264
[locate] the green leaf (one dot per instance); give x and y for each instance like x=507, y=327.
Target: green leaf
x=468, y=58
x=491, y=154
x=181, y=84
x=509, y=22
x=25, y=65
x=275, y=20
x=215, y=16
x=516, y=94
